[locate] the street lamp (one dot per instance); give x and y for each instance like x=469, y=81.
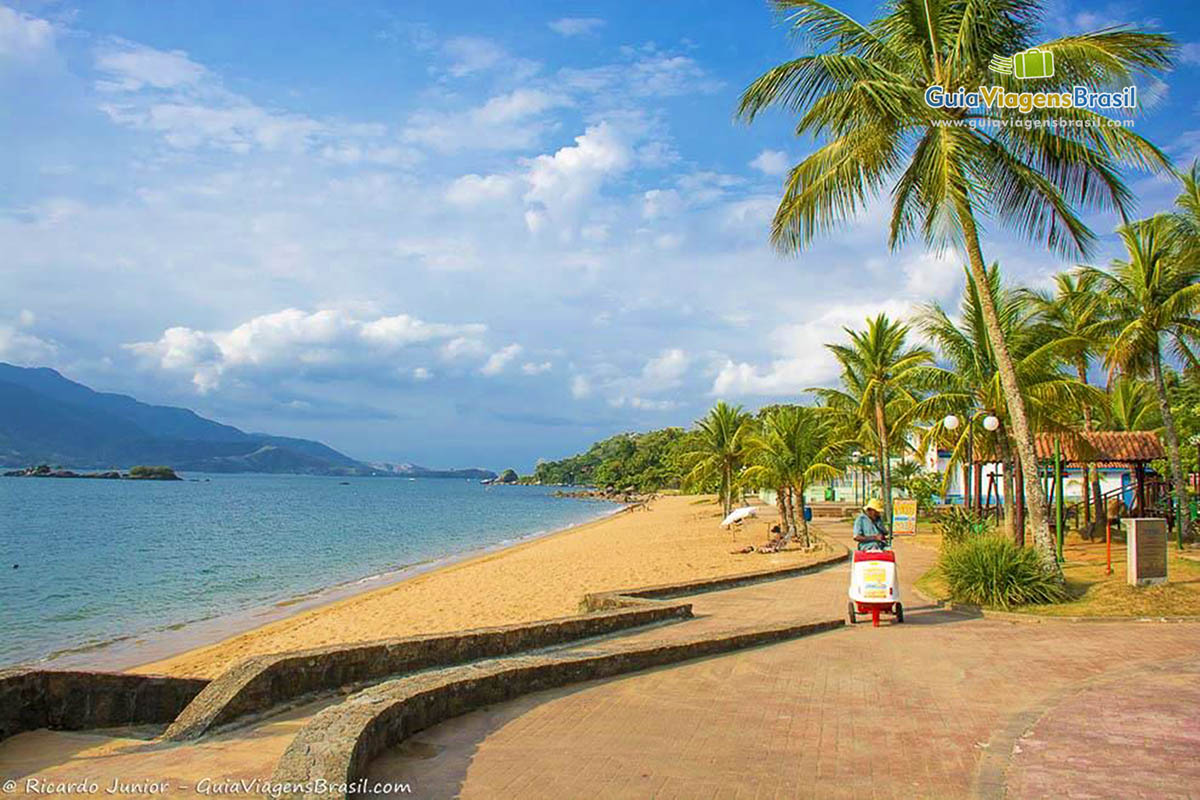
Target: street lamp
x=856, y=455
x=990, y=423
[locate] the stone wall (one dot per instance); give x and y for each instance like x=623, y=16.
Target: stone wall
x=31, y=699
x=261, y=683
x=333, y=750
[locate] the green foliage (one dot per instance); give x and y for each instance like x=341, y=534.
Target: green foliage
x=719, y=450
x=647, y=461
x=992, y=571
x=158, y=472
x=960, y=524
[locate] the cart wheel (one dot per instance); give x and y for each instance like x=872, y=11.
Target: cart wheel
x=899, y=612
x=850, y=613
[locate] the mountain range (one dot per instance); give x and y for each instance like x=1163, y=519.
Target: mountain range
x=48, y=419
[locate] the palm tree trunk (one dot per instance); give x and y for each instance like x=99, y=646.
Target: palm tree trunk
x=1164, y=407
x=885, y=461
x=1092, y=479
x=726, y=489
x=792, y=501
x=1022, y=435
x=781, y=504
x=1009, y=490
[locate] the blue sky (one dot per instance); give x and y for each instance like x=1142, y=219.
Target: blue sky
x=478, y=233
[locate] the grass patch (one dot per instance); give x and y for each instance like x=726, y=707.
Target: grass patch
x=1093, y=593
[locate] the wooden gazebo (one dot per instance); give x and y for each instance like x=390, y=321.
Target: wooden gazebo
x=1132, y=450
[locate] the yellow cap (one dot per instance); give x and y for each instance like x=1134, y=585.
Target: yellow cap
x=875, y=504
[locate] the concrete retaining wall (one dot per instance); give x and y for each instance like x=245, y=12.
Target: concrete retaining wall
x=31, y=699
x=333, y=750
x=261, y=683
x=624, y=597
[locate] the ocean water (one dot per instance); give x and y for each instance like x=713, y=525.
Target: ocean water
x=102, y=563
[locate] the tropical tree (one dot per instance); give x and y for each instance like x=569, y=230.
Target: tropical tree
x=795, y=448
x=1074, y=310
x=1131, y=406
x=862, y=90
x=881, y=379
x=970, y=384
x=719, y=451
x=1151, y=298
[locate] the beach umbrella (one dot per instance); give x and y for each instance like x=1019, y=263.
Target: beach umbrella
x=738, y=514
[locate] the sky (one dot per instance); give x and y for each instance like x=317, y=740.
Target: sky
x=450, y=234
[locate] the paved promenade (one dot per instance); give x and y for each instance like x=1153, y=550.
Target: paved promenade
x=943, y=706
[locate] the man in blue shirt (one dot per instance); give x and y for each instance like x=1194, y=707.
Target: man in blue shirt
x=869, y=530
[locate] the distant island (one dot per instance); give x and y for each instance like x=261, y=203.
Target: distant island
x=138, y=473
x=48, y=419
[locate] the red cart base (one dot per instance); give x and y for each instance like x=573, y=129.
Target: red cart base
x=875, y=609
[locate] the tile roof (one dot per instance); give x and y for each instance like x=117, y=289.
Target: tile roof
x=1107, y=447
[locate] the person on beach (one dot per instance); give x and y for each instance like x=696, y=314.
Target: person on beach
x=869, y=530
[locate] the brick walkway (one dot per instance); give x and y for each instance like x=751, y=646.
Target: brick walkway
x=943, y=706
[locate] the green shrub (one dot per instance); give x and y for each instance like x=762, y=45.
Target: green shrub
x=990, y=570
x=160, y=473
x=960, y=524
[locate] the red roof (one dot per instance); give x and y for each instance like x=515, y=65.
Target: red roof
x=1123, y=447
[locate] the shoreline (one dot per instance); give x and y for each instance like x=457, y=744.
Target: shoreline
x=672, y=540
x=133, y=651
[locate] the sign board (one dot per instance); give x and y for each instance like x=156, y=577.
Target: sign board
x=1146, y=551
x=904, y=517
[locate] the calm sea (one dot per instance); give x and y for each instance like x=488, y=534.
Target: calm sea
x=105, y=565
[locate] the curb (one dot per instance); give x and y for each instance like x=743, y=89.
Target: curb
x=1016, y=616
x=594, y=601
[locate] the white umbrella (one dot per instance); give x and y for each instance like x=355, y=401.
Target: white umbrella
x=739, y=514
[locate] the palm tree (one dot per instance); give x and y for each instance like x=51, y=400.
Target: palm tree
x=970, y=384
x=1132, y=406
x=720, y=449
x=1074, y=311
x=880, y=372
x=1151, y=299
x=795, y=448
x=863, y=89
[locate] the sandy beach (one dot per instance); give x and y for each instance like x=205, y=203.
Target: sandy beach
x=677, y=538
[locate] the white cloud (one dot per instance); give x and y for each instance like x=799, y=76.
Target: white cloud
x=471, y=55
x=771, y=162
x=23, y=37
x=129, y=67
x=575, y=26
x=421, y=374
x=504, y=122
x=658, y=203
x=291, y=340
x=531, y=368
x=168, y=93
x=1189, y=53
x=560, y=185
x=581, y=387
x=475, y=190
x=19, y=346
x=933, y=276
x=646, y=72
x=802, y=359
x=499, y=359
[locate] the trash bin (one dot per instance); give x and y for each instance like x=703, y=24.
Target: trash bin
x=808, y=512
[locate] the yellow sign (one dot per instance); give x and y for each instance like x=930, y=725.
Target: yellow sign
x=904, y=517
